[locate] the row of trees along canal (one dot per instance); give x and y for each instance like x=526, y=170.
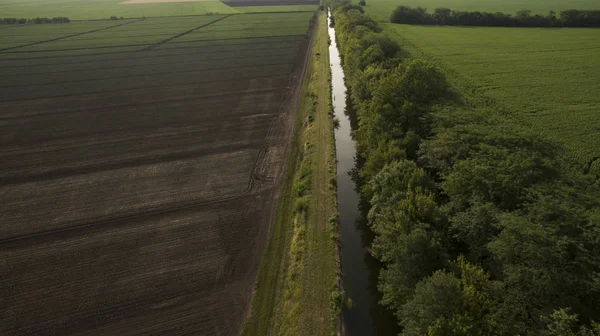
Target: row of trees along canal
x=523, y=18
x=482, y=226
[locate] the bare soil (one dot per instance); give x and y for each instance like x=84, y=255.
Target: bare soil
x=139, y=205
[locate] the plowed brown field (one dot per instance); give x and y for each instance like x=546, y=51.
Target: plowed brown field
x=137, y=179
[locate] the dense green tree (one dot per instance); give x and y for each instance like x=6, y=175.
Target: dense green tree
x=483, y=227
x=452, y=303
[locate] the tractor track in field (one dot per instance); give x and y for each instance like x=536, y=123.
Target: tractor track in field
x=184, y=33
x=176, y=51
x=138, y=88
x=149, y=103
x=135, y=162
x=136, y=45
x=106, y=223
x=147, y=64
x=186, y=71
x=198, y=67
x=2, y=51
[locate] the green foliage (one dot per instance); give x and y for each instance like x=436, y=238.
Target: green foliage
x=452, y=303
x=301, y=205
x=336, y=300
x=562, y=323
x=481, y=224
x=302, y=184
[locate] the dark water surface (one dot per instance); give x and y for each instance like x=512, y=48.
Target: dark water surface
x=359, y=268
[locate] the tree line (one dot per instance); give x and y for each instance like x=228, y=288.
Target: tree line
x=523, y=18
x=482, y=226
x=59, y=19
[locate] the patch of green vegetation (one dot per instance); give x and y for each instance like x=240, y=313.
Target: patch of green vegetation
x=547, y=78
x=104, y=9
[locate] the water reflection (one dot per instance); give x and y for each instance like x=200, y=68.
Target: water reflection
x=360, y=270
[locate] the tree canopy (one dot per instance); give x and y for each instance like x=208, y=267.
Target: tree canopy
x=482, y=225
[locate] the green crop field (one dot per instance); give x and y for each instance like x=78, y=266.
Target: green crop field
x=103, y=9
x=383, y=8
x=547, y=77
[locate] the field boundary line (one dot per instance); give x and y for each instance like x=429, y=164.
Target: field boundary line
x=148, y=74
x=139, y=88
x=110, y=108
x=68, y=36
x=119, y=219
x=126, y=163
x=137, y=45
x=152, y=102
x=150, y=34
x=143, y=65
x=150, y=45
x=226, y=67
x=240, y=38
x=184, y=33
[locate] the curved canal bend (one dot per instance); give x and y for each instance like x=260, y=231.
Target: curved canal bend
x=359, y=268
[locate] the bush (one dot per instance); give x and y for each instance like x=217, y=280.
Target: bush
x=301, y=205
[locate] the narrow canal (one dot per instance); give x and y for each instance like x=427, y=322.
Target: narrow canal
x=359, y=269
x=355, y=276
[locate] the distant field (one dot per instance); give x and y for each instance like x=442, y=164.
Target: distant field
x=139, y=164
x=106, y=35
x=548, y=77
x=382, y=9
x=104, y=9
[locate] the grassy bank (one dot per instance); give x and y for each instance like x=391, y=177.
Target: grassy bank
x=296, y=291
